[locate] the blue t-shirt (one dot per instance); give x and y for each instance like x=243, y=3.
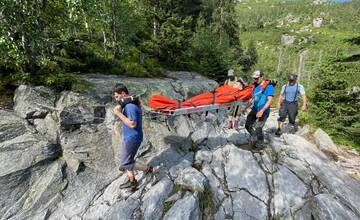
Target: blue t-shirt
x=261, y=97
x=134, y=113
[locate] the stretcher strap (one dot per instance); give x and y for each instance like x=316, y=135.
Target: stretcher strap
x=213, y=96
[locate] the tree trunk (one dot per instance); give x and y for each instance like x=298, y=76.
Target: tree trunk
x=113, y=27
x=105, y=40
x=155, y=24
x=280, y=62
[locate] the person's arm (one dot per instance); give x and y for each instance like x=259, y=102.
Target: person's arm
x=249, y=103
x=304, y=103
x=123, y=118
x=260, y=113
x=280, y=101
x=281, y=97
x=304, y=99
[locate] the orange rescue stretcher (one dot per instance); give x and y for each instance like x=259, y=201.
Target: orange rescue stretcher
x=222, y=97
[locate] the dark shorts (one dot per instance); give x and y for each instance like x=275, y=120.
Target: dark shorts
x=289, y=109
x=128, y=151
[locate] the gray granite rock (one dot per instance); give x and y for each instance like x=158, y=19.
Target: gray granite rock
x=218, y=194
x=248, y=207
x=201, y=132
x=186, y=208
x=80, y=193
x=238, y=138
x=21, y=147
x=123, y=210
x=34, y=102
x=325, y=206
x=243, y=172
x=203, y=156
x=290, y=191
x=111, y=195
x=191, y=179
x=152, y=205
x=90, y=145
x=176, y=170
x=12, y=126
x=324, y=142
x=334, y=178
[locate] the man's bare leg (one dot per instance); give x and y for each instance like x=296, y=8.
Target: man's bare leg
x=279, y=127
x=230, y=118
x=236, y=122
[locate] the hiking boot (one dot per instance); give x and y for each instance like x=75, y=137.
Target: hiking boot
x=130, y=184
x=230, y=125
x=252, y=141
x=236, y=124
x=278, y=132
x=293, y=129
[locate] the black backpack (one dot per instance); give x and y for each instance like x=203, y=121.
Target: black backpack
x=130, y=99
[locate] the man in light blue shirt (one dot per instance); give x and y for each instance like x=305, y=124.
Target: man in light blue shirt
x=288, y=104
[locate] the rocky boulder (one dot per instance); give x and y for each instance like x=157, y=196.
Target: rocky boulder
x=317, y=22
x=191, y=179
x=34, y=102
x=287, y=40
x=186, y=208
x=324, y=142
x=176, y=85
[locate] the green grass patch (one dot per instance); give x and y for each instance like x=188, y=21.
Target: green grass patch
x=206, y=202
x=168, y=205
x=177, y=188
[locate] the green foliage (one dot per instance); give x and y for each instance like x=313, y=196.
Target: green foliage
x=66, y=81
x=172, y=40
x=206, y=202
x=250, y=57
x=177, y=188
x=46, y=42
x=168, y=205
x=333, y=106
x=210, y=53
x=277, y=216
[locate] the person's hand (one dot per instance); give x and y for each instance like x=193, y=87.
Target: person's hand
x=259, y=114
x=249, y=103
x=304, y=108
x=117, y=109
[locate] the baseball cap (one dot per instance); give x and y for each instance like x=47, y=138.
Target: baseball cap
x=292, y=77
x=231, y=72
x=257, y=74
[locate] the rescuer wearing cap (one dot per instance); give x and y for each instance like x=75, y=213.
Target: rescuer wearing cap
x=234, y=112
x=288, y=104
x=263, y=95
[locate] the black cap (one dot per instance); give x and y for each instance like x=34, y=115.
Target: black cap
x=292, y=77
